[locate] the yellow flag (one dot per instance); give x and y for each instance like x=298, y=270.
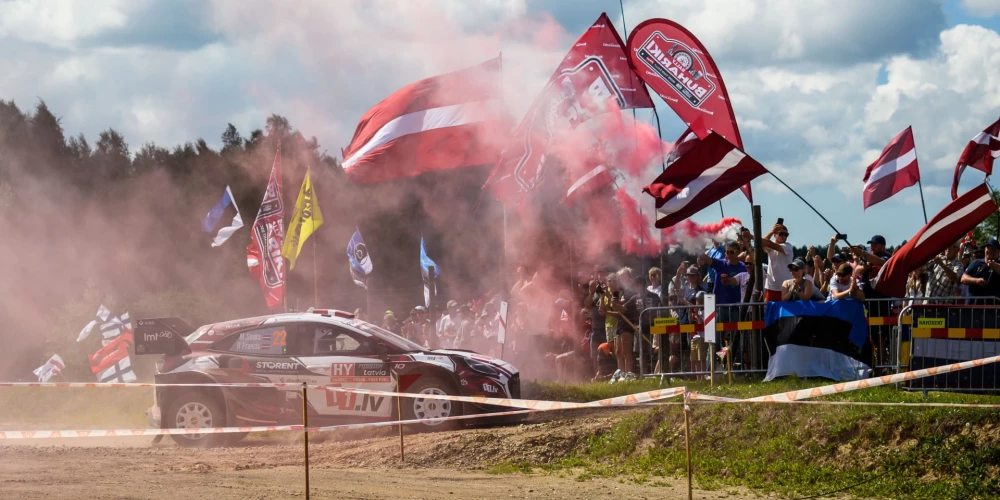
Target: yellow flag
x=305, y=219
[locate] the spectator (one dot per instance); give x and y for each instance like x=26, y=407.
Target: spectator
x=446, y=327
x=390, y=323
x=982, y=275
x=655, y=282
x=592, y=303
x=359, y=314
x=699, y=349
x=606, y=363
x=946, y=273
x=844, y=286
x=631, y=304
x=798, y=287
x=686, y=285
x=916, y=286
x=726, y=290
x=779, y=255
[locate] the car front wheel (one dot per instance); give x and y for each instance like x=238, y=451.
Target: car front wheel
x=426, y=408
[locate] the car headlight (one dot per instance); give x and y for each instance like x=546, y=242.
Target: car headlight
x=481, y=367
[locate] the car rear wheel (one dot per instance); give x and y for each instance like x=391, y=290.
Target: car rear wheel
x=195, y=410
x=426, y=408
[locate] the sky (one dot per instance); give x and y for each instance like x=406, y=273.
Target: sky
x=818, y=87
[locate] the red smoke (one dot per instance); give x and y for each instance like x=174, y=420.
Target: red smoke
x=689, y=230
x=636, y=235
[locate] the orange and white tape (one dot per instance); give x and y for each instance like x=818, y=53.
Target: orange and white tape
x=531, y=404
x=827, y=390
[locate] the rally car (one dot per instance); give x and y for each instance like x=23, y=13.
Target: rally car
x=318, y=347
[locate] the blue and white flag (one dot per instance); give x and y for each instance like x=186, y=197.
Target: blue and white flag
x=425, y=264
x=102, y=316
x=361, y=263
x=226, y=204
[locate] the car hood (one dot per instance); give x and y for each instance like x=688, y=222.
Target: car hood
x=478, y=357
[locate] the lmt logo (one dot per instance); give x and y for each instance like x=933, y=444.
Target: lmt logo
x=679, y=66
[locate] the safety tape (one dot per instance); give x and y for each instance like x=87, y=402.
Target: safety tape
x=713, y=399
x=956, y=333
x=742, y=326
x=531, y=404
x=827, y=390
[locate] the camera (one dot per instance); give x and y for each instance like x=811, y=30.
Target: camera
x=781, y=220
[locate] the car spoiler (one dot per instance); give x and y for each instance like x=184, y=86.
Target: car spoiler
x=162, y=336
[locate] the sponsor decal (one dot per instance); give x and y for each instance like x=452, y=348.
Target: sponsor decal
x=360, y=373
x=276, y=366
x=679, y=66
x=490, y=388
x=400, y=366
x=442, y=361
x=354, y=402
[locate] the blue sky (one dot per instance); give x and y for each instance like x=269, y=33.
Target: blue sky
x=818, y=87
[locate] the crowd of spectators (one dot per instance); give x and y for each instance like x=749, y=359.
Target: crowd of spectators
x=592, y=330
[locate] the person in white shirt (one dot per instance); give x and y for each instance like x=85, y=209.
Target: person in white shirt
x=779, y=256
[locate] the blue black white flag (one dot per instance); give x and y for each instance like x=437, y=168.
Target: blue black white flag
x=361, y=263
x=226, y=204
x=425, y=264
x=817, y=339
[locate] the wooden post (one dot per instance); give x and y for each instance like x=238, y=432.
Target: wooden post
x=399, y=417
x=687, y=440
x=305, y=433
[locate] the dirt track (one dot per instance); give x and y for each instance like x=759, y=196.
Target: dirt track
x=438, y=465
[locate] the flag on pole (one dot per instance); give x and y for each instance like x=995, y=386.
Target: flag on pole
x=893, y=171
x=950, y=225
x=50, y=369
x=678, y=67
x=712, y=169
x=103, y=313
x=595, y=178
x=439, y=123
x=360, y=261
x=115, y=327
x=593, y=78
x=425, y=266
x=306, y=219
x=979, y=154
x=266, y=235
x=111, y=363
x=226, y=204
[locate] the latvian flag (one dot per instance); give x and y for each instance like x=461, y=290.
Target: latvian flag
x=439, y=123
x=710, y=170
x=111, y=363
x=597, y=176
x=978, y=154
x=893, y=171
x=951, y=224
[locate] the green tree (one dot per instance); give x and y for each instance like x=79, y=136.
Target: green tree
x=988, y=228
x=231, y=139
x=111, y=155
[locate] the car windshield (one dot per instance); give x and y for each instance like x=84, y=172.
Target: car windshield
x=387, y=336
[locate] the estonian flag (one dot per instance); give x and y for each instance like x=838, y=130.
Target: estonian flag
x=226, y=204
x=817, y=339
x=361, y=262
x=425, y=264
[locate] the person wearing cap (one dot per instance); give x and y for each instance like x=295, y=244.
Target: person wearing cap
x=779, y=254
x=946, y=273
x=983, y=275
x=685, y=285
x=844, y=286
x=798, y=287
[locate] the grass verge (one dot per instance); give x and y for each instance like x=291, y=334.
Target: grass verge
x=796, y=450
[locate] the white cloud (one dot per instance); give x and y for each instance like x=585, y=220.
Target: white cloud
x=981, y=8
x=60, y=22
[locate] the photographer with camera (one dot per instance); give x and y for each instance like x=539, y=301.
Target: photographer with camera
x=983, y=275
x=779, y=256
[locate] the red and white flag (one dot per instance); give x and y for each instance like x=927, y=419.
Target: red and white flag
x=439, y=123
x=706, y=173
x=595, y=178
x=978, y=154
x=893, y=171
x=50, y=369
x=266, y=238
x=951, y=224
x=593, y=78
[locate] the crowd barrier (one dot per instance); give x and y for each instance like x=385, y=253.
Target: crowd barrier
x=929, y=330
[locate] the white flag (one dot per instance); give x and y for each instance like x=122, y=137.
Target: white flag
x=119, y=372
x=51, y=368
x=103, y=313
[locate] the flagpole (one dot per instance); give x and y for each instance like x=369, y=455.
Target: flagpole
x=315, y=258
x=503, y=254
x=807, y=204
x=923, y=205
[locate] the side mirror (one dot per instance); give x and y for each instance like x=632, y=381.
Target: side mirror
x=382, y=351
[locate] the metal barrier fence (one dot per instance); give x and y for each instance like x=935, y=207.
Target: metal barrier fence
x=899, y=330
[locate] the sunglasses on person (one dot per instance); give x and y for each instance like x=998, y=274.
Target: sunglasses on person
x=730, y=252
x=783, y=233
